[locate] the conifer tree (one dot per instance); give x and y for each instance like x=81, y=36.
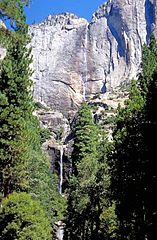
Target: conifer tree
x=133, y=164
x=23, y=166
x=149, y=65
x=88, y=188
x=15, y=107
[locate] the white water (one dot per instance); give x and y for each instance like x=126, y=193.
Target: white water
x=84, y=79
x=61, y=169
x=59, y=225
x=60, y=231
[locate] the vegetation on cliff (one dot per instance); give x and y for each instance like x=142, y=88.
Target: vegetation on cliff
x=110, y=194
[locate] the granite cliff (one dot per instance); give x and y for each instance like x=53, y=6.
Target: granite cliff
x=75, y=60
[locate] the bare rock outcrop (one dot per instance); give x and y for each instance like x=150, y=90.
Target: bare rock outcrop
x=75, y=60
x=58, y=50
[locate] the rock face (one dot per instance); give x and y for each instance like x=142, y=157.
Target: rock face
x=58, y=50
x=123, y=27
x=75, y=60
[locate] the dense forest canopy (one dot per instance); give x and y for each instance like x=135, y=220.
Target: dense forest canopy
x=23, y=166
x=110, y=193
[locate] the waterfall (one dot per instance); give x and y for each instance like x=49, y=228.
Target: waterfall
x=61, y=169
x=59, y=234
x=85, y=69
x=60, y=225
x=60, y=230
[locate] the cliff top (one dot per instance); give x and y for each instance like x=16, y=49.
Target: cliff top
x=63, y=19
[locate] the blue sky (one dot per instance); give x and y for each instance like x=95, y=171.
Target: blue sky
x=40, y=9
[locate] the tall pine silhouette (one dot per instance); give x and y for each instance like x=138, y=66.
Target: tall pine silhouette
x=133, y=162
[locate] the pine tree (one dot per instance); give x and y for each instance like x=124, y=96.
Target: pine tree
x=12, y=11
x=85, y=167
x=23, y=166
x=88, y=189
x=15, y=108
x=149, y=64
x=133, y=163
x=126, y=162
x=86, y=137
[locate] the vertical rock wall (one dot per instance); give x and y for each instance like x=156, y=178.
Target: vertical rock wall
x=75, y=60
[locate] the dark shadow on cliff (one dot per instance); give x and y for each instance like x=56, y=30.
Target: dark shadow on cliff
x=104, y=89
x=114, y=22
x=150, y=18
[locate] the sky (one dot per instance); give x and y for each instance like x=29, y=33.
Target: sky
x=40, y=9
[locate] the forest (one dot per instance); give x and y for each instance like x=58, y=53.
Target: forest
x=110, y=194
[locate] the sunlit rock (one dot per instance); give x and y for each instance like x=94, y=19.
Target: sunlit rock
x=75, y=60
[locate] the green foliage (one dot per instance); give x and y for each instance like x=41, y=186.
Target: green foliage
x=42, y=183
x=109, y=120
x=149, y=64
x=109, y=223
x=23, y=218
x=89, y=185
x=15, y=108
x=59, y=134
x=127, y=165
x=23, y=166
x=125, y=86
x=12, y=10
x=132, y=159
x=44, y=134
x=39, y=105
x=86, y=135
